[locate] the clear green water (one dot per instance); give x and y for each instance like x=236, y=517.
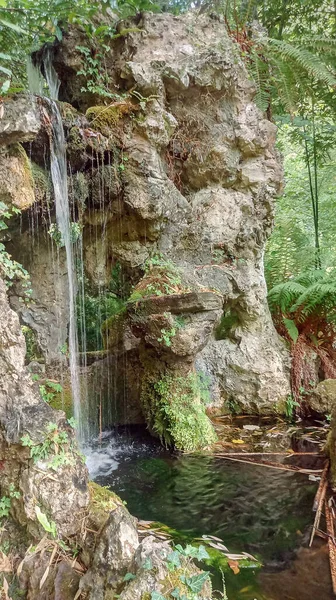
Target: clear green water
x=252, y=509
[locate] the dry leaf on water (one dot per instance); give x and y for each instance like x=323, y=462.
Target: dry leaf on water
x=5, y=587
x=5, y=564
x=234, y=566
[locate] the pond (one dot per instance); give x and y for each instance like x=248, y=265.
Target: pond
x=264, y=512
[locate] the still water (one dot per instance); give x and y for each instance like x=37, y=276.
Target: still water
x=258, y=510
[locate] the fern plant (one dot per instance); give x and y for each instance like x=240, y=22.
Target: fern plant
x=304, y=312
x=283, y=69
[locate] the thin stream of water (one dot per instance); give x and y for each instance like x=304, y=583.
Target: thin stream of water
x=58, y=167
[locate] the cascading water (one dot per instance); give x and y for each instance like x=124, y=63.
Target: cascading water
x=58, y=167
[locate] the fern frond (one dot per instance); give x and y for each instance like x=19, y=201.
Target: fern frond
x=304, y=59
x=317, y=298
x=285, y=82
x=323, y=44
x=292, y=330
x=310, y=277
x=283, y=295
x=258, y=71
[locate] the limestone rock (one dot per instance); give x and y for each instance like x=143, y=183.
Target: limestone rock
x=158, y=578
x=48, y=313
x=322, y=399
x=114, y=555
x=20, y=121
x=16, y=180
x=62, y=493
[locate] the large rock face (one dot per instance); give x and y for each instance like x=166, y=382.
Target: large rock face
x=174, y=182
x=197, y=188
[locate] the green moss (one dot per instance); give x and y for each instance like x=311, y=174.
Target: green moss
x=67, y=111
x=102, y=497
x=173, y=582
x=112, y=330
x=42, y=183
x=162, y=278
x=102, y=502
x=174, y=410
x=63, y=401
x=106, y=118
x=228, y=324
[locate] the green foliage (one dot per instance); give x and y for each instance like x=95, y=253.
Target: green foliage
x=5, y=504
x=56, y=235
x=304, y=312
x=48, y=526
x=175, y=410
x=97, y=79
x=10, y=269
x=55, y=448
x=181, y=584
x=33, y=350
x=162, y=278
x=168, y=334
x=49, y=390
x=290, y=407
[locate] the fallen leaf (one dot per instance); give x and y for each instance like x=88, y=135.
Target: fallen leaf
x=5, y=564
x=234, y=566
x=238, y=442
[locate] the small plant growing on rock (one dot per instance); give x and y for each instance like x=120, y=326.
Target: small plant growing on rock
x=11, y=270
x=181, y=583
x=47, y=395
x=54, y=448
x=168, y=334
x=5, y=504
x=162, y=278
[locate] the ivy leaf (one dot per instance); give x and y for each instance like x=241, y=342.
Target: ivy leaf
x=129, y=577
x=148, y=565
x=157, y=596
x=174, y=559
x=196, y=582
x=202, y=554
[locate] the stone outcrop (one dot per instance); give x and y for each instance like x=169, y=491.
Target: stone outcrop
x=322, y=399
x=26, y=423
x=173, y=183
x=197, y=188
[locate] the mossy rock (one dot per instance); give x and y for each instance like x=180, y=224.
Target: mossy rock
x=112, y=330
x=42, y=183
x=102, y=502
x=174, y=411
x=63, y=401
x=106, y=118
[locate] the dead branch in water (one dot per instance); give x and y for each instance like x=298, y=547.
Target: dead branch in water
x=269, y=464
x=324, y=478
x=319, y=500
x=331, y=544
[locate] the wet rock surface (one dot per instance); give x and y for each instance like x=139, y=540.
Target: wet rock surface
x=23, y=413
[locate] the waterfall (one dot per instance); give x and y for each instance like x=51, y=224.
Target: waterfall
x=58, y=167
